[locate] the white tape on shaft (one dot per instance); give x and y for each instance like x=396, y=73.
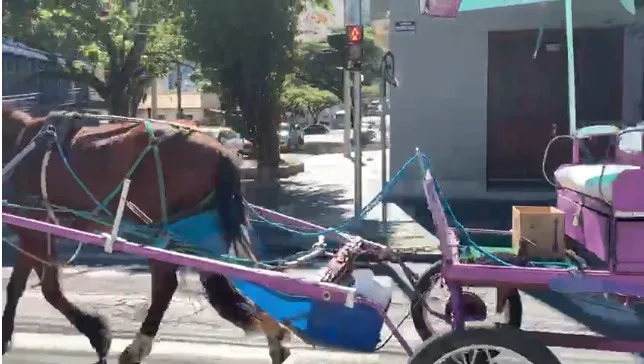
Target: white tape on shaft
x=119, y=215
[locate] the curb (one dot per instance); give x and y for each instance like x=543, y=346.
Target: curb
x=333, y=147
x=285, y=171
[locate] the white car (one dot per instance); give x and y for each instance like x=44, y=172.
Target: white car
x=229, y=138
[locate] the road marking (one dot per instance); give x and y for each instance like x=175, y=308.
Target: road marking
x=79, y=344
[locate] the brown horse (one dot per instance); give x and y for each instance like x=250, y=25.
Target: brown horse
x=193, y=166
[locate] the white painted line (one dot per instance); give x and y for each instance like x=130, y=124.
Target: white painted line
x=79, y=344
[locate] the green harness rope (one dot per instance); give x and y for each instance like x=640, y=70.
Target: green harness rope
x=145, y=232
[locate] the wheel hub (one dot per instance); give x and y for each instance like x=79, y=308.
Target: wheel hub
x=474, y=308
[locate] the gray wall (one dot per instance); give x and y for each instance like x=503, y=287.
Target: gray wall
x=441, y=104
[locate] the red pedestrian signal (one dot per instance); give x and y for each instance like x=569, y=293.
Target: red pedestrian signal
x=354, y=33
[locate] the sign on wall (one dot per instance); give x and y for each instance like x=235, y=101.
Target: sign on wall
x=405, y=26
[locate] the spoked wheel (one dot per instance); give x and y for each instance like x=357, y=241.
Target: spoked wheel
x=483, y=345
x=436, y=297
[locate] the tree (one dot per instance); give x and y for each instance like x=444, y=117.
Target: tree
x=122, y=46
x=300, y=98
x=319, y=63
x=246, y=48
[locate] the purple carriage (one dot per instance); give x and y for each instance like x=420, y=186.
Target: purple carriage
x=318, y=310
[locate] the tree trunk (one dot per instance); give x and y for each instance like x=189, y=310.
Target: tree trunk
x=268, y=153
x=266, y=141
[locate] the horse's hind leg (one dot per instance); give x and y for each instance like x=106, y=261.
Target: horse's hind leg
x=15, y=289
x=164, y=284
x=243, y=313
x=91, y=325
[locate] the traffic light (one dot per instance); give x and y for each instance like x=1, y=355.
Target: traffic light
x=355, y=42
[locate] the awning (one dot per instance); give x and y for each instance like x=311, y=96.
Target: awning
x=451, y=8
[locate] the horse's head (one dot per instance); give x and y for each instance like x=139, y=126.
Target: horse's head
x=14, y=126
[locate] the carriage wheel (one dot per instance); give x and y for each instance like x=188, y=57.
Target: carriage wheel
x=427, y=287
x=483, y=345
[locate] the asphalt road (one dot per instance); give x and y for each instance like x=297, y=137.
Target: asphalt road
x=193, y=333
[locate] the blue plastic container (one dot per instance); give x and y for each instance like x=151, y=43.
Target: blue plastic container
x=320, y=323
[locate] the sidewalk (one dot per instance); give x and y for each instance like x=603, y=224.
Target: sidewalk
x=323, y=194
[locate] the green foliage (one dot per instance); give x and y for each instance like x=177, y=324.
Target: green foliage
x=123, y=48
x=319, y=63
x=300, y=98
x=246, y=49
x=372, y=91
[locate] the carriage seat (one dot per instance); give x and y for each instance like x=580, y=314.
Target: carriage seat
x=592, y=180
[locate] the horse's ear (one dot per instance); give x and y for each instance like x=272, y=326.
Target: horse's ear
x=7, y=110
x=11, y=112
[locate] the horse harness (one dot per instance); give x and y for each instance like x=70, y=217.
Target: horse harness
x=59, y=128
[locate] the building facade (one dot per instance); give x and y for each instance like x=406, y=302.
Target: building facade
x=24, y=85
x=196, y=105
x=482, y=96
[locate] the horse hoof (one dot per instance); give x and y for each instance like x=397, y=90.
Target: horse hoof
x=280, y=355
x=6, y=346
x=97, y=330
x=126, y=357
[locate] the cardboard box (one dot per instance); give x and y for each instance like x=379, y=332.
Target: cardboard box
x=538, y=232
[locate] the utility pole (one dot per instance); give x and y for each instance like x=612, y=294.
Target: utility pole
x=179, y=83
x=154, y=104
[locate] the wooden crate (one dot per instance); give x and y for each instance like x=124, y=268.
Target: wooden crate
x=538, y=232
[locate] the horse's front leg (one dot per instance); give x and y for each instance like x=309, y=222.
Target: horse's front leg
x=91, y=325
x=15, y=289
x=164, y=284
x=243, y=313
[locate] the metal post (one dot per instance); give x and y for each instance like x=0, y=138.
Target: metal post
x=347, y=91
x=357, y=122
x=383, y=139
x=179, y=83
x=357, y=131
x=347, y=113
x=572, y=108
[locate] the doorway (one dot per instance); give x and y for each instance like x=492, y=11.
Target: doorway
x=527, y=104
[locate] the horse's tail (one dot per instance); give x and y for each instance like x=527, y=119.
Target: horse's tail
x=230, y=205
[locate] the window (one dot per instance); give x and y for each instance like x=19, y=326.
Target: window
x=161, y=117
x=227, y=134
x=187, y=117
x=632, y=141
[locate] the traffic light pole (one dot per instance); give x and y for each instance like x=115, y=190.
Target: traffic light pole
x=347, y=93
x=357, y=131
x=355, y=36
x=347, y=113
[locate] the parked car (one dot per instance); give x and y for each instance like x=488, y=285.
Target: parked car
x=230, y=139
x=290, y=137
x=316, y=129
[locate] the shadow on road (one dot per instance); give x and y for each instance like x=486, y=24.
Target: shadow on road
x=309, y=202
